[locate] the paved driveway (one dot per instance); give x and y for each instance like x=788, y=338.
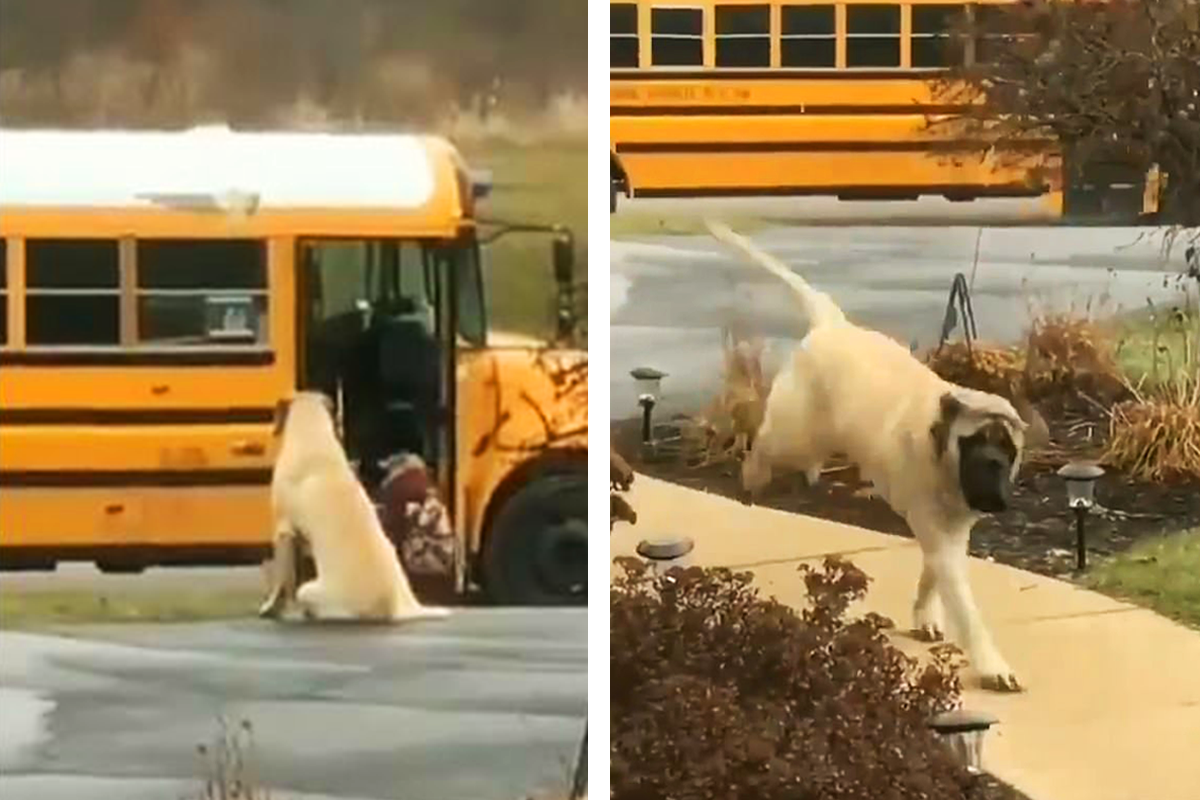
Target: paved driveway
x=489, y=704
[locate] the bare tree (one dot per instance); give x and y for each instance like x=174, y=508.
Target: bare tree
x=1115, y=83
x=379, y=60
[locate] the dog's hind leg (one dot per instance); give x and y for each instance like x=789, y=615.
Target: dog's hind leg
x=316, y=603
x=946, y=560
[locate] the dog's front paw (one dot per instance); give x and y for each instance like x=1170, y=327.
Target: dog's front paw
x=1000, y=682
x=928, y=632
x=929, y=624
x=272, y=607
x=997, y=676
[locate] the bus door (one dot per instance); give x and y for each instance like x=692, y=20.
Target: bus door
x=371, y=341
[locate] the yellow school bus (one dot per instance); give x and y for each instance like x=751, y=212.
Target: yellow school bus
x=162, y=291
x=804, y=97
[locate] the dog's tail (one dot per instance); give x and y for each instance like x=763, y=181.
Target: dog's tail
x=818, y=307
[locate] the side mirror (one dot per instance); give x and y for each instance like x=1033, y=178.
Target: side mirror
x=563, y=255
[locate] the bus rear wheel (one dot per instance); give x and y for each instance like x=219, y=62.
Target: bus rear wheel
x=536, y=552
x=121, y=567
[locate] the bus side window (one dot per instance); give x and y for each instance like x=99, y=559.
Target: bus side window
x=743, y=36
x=73, y=294
x=936, y=41
x=808, y=36
x=677, y=37
x=202, y=292
x=873, y=35
x=623, y=49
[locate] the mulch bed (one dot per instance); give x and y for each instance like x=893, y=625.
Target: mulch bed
x=1036, y=534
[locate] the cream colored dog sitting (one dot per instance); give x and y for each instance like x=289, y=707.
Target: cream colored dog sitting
x=316, y=496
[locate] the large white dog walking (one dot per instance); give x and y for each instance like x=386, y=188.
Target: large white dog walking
x=941, y=455
x=316, y=495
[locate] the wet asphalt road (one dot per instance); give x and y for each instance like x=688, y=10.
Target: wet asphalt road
x=670, y=295
x=488, y=704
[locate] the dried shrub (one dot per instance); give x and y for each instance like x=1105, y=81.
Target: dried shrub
x=1156, y=437
x=988, y=368
x=725, y=430
x=719, y=694
x=227, y=764
x=1067, y=354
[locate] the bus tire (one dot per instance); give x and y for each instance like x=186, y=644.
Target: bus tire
x=536, y=550
x=120, y=567
x=612, y=197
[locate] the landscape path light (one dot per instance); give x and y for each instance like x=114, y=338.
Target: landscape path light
x=963, y=732
x=666, y=553
x=649, y=386
x=1080, y=477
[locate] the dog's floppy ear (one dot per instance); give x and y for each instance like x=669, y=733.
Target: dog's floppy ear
x=949, y=409
x=1037, y=432
x=281, y=414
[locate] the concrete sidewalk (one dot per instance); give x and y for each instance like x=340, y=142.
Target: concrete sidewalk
x=1111, y=709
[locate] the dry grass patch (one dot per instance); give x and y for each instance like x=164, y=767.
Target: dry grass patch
x=988, y=368
x=1067, y=354
x=1155, y=435
x=1156, y=438
x=42, y=608
x=725, y=430
x=1064, y=355
x=228, y=766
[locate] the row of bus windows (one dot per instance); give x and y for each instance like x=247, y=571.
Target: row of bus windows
x=183, y=293
x=807, y=36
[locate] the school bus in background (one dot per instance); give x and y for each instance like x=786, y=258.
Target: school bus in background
x=162, y=291
x=804, y=97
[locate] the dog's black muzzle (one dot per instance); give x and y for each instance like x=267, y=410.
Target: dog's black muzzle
x=985, y=474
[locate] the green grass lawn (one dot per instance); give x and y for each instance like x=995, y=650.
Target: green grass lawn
x=544, y=183
x=1162, y=574
x=36, y=608
x=1158, y=345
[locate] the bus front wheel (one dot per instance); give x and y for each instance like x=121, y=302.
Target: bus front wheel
x=536, y=552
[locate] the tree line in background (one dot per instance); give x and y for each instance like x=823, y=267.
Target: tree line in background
x=252, y=61
x=1117, y=82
